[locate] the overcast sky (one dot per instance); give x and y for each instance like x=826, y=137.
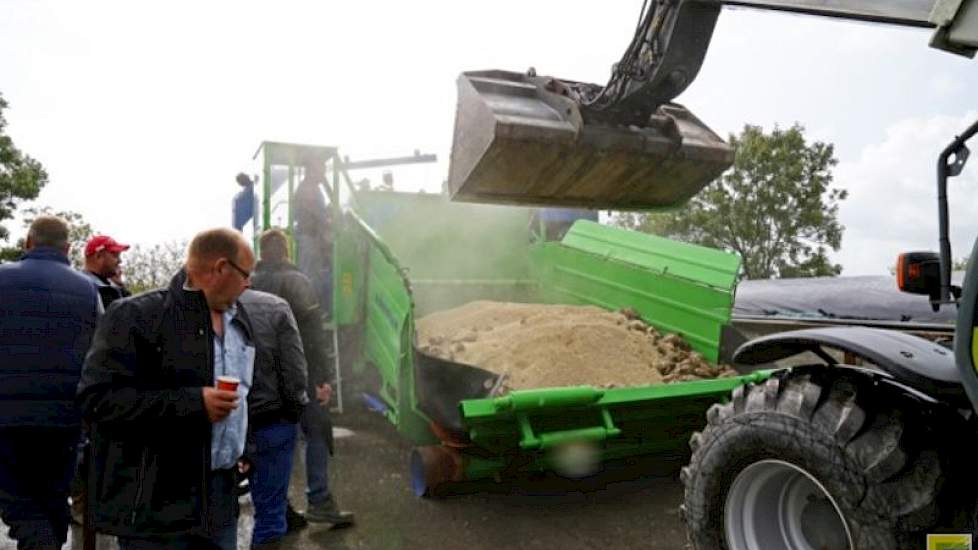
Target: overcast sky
x=143, y=112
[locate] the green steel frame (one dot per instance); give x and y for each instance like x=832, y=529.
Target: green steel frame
x=401, y=255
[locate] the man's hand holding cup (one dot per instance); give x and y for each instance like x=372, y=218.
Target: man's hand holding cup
x=220, y=401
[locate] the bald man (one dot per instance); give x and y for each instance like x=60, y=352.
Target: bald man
x=166, y=440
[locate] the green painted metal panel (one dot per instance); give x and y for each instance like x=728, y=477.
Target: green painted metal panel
x=698, y=264
x=388, y=335
x=402, y=255
x=386, y=316
x=676, y=287
x=622, y=422
x=420, y=253
x=349, y=271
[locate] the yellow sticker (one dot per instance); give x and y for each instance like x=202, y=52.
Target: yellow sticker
x=949, y=542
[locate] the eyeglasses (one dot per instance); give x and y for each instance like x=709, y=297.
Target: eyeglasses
x=244, y=274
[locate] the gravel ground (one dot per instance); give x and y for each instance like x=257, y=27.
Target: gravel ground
x=627, y=506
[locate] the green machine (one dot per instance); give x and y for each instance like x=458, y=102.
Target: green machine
x=399, y=256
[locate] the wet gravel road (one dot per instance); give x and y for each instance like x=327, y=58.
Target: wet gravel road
x=627, y=506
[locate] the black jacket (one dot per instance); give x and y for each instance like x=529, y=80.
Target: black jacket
x=278, y=390
x=48, y=313
x=107, y=290
x=286, y=281
x=141, y=388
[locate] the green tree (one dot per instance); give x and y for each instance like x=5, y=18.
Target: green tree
x=79, y=231
x=775, y=207
x=21, y=177
x=148, y=267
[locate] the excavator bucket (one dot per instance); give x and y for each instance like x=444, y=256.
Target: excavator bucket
x=518, y=142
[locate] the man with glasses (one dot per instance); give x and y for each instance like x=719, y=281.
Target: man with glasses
x=167, y=441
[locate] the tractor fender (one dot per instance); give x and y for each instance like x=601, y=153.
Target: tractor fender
x=912, y=361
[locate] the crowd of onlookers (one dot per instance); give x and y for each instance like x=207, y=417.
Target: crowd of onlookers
x=158, y=404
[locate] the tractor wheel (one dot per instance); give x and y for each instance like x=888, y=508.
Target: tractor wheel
x=807, y=460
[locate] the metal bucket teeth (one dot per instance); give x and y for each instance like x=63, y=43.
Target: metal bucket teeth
x=516, y=142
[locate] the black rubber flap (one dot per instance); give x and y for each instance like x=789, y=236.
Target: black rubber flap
x=442, y=384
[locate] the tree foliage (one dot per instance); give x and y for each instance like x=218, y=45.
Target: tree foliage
x=21, y=177
x=79, y=231
x=148, y=267
x=775, y=207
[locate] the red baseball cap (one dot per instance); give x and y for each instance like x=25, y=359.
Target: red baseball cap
x=103, y=242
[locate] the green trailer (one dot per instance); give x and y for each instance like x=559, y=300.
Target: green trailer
x=399, y=256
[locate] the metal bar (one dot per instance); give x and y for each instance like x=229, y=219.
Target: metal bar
x=291, y=216
x=912, y=13
x=334, y=204
x=945, y=171
x=417, y=158
x=339, y=375
x=266, y=187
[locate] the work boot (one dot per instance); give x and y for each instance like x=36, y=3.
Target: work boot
x=328, y=512
x=294, y=520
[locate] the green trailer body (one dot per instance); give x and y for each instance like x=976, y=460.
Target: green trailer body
x=421, y=253
x=678, y=288
x=399, y=256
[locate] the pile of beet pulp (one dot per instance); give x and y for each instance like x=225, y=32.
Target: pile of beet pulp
x=540, y=346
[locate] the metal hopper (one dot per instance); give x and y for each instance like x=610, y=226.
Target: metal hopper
x=522, y=139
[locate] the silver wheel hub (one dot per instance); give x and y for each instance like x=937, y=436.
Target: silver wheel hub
x=775, y=505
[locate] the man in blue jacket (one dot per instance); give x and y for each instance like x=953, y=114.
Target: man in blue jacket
x=48, y=313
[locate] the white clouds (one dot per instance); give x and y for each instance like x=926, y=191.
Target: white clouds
x=892, y=204
x=143, y=112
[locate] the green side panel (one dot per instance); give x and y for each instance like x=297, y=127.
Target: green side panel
x=386, y=314
x=698, y=264
x=676, y=287
x=617, y=423
x=349, y=270
x=453, y=252
x=388, y=335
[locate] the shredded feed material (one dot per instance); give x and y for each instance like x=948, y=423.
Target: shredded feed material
x=539, y=346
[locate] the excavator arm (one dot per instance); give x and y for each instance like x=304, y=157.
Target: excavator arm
x=527, y=139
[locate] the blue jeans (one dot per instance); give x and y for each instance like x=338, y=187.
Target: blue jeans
x=271, y=468
x=36, y=466
x=315, y=422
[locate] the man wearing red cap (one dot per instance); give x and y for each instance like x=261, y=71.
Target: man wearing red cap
x=102, y=261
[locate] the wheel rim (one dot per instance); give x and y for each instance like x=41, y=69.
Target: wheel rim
x=774, y=505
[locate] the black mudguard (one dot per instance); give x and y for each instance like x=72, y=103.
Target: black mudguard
x=911, y=360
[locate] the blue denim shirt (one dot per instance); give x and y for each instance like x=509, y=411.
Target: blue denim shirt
x=233, y=356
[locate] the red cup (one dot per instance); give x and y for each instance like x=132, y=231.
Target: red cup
x=228, y=383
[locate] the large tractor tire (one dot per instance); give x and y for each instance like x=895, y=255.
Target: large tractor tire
x=809, y=460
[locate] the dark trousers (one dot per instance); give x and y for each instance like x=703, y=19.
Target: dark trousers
x=36, y=465
x=221, y=494
x=270, y=471
x=316, y=428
